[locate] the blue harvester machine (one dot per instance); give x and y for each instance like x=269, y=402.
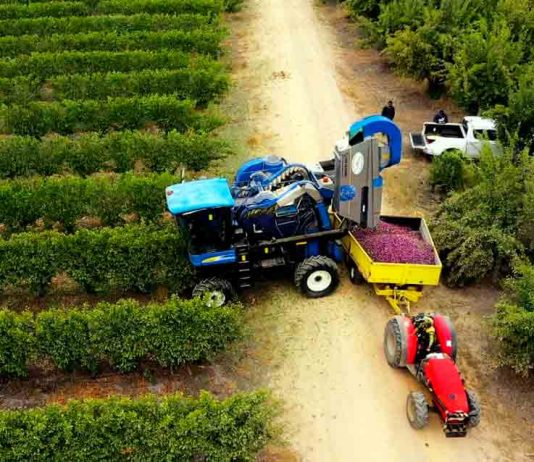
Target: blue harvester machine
x=279, y=214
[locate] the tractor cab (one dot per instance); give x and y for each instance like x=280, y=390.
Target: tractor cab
x=203, y=210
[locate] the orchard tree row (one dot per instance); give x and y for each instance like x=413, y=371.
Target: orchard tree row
x=480, y=52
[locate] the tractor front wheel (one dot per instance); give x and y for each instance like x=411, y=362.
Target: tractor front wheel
x=474, y=409
x=317, y=276
x=417, y=409
x=217, y=292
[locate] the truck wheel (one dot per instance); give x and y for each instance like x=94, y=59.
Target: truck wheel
x=354, y=274
x=474, y=409
x=395, y=342
x=317, y=276
x=218, y=292
x=417, y=409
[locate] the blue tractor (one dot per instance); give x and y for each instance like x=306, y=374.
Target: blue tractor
x=276, y=214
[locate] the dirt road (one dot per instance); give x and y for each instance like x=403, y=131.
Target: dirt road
x=324, y=357
x=306, y=110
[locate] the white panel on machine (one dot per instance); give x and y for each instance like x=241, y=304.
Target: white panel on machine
x=358, y=194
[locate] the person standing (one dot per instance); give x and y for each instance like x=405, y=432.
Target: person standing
x=441, y=117
x=389, y=110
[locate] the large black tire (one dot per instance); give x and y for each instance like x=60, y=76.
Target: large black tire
x=395, y=342
x=354, y=273
x=317, y=276
x=417, y=409
x=454, y=340
x=218, y=292
x=474, y=409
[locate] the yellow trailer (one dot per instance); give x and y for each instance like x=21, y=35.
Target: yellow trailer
x=400, y=283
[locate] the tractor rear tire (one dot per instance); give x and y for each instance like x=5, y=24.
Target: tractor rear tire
x=417, y=409
x=454, y=348
x=395, y=342
x=317, y=276
x=217, y=291
x=474, y=409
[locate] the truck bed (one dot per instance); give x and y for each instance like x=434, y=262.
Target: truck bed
x=432, y=131
x=417, y=140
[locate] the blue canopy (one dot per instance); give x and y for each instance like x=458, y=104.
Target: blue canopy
x=198, y=195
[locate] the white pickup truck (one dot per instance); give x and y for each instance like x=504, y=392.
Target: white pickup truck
x=468, y=137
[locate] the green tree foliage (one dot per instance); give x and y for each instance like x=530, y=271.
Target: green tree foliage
x=67, y=116
x=478, y=230
x=414, y=54
x=22, y=156
x=480, y=51
x=519, y=16
x=17, y=343
x=421, y=39
x=516, y=120
x=134, y=257
x=485, y=66
x=118, y=23
x=513, y=323
x=45, y=8
x=365, y=8
x=64, y=201
x=526, y=220
x=121, y=335
x=206, y=7
x=400, y=14
x=202, y=83
x=35, y=10
x=519, y=289
x=451, y=171
x=141, y=429
x=204, y=40
x=44, y=65
x=232, y=5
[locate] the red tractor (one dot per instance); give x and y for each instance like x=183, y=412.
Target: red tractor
x=426, y=345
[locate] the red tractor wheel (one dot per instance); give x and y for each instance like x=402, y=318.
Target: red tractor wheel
x=395, y=342
x=417, y=409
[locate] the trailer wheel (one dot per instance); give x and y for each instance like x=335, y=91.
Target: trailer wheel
x=317, y=276
x=417, y=409
x=354, y=273
x=395, y=342
x=474, y=409
x=218, y=292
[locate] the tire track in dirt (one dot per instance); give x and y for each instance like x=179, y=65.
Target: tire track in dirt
x=324, y=357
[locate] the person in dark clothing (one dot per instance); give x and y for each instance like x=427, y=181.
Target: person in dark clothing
x=441, y=117
x=426, y=335
x=389, y=111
